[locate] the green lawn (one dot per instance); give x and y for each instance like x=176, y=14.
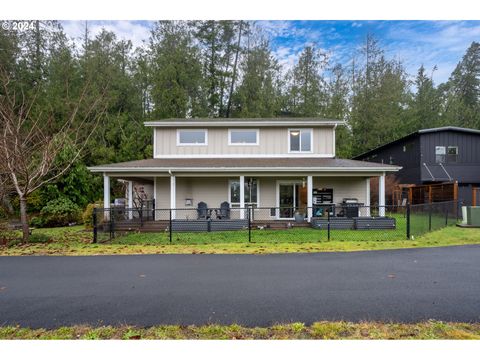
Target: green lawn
x=318, y=330
x=77, y=241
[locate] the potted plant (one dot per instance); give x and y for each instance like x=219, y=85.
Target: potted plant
x=299, y=217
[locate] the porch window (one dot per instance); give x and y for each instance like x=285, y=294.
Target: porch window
x=243, y=137
x=192, y=137
x=251, y=192
x=440, y=153
x=300, y=140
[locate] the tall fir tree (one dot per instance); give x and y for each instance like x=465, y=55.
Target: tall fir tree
x=177, y=87
x=258, y=94
x=307, y=88
x=462, y=91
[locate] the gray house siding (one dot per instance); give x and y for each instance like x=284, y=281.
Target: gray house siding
x=467, y=167
x=401, y=153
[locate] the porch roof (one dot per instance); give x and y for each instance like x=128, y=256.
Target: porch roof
x=245, y=164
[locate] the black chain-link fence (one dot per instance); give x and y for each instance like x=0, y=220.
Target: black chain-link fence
x=429, y=217
x=347, y=222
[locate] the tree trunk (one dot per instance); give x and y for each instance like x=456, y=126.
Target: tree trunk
x=234, y=69
x=24, y=219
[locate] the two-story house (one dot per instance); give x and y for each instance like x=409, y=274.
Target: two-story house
x=283, y=166
x=436, y=155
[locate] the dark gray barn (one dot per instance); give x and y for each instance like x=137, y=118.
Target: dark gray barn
x=433, y=156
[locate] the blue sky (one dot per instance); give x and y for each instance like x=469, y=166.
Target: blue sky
x=440, y=43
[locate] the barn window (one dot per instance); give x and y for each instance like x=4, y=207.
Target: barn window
x=440, y=153
x=452, y=154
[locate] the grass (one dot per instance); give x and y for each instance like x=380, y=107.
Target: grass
x=77, y=241
x=319, y=330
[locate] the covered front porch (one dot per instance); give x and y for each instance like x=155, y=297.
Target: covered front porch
x=265, y=198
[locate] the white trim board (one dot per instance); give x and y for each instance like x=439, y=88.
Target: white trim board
x=242, y=170
x=256, y=123
x=237, y=156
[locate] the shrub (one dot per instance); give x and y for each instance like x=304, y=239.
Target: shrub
x=37, y=221
x=87, y=215
x=8, y=237
x=60, y=212
x=37, y=238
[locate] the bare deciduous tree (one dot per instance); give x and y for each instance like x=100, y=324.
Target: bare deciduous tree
x=36, y=148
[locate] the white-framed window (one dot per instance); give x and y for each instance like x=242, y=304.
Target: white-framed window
x=452, y=154
x=252, y=190
x=300, y=140
x=440, y=153
x=243, y=137
x=192, y=137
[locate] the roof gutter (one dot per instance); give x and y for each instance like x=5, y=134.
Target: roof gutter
x=199, y=124
x=223, y=169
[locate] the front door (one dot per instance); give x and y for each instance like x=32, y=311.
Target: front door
x=291, y=198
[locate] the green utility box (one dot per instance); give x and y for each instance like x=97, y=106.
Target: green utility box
x=473, y=215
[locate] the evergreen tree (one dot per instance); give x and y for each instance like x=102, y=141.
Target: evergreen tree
x=338, y=91
x=259, y=91
x=307, y=94
x=425, y=105
x=462, y=91
x=380, y=98
x=176, y=73
x=219, y=49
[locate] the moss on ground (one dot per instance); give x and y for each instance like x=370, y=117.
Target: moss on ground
x=319, y=330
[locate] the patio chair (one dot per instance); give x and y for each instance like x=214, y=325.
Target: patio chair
x=224, y=211
x=202, y=211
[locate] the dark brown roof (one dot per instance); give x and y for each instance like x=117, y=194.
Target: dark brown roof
x=242, y=163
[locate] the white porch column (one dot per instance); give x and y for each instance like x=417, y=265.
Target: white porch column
x=367, y=196
x=130, y=200
x=381, y=195
x=309, y=197
x=173, y=193
x=156, y=215
x=242, y=197
x=106, y=195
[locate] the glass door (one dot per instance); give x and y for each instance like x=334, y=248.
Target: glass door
x=286, y=200
x=292, y=198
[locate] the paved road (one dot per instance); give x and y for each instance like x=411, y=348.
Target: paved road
x=400, y=285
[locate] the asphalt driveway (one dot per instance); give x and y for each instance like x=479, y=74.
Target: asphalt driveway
x=395, y=285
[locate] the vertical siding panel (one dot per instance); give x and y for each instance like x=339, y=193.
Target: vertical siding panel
x=271, y=141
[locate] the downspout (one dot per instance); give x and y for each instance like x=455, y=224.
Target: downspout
x=334, y=140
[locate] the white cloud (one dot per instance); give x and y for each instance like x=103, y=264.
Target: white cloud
x=137, y=32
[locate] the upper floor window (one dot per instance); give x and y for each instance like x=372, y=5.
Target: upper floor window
x=192, y=137
x=440, y=153
x=452, y=153
x=243, y=137
x=300, y=140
